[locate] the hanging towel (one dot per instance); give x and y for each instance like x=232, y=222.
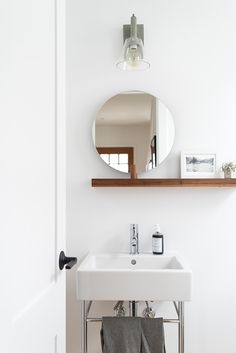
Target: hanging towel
x=153, y=338
x=132, y=335
x=121, y=335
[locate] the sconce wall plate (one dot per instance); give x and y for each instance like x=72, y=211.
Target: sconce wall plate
x=127, y=32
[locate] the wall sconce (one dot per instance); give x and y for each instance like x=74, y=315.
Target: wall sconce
x=132, y=52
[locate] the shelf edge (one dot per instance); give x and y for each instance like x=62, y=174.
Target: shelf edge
x=161, y=182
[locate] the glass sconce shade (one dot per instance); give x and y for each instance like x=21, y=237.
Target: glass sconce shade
x=132, y=56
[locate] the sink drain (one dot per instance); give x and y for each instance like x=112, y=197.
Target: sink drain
x=133, y=262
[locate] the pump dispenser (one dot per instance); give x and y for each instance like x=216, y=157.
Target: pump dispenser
x=157, y=241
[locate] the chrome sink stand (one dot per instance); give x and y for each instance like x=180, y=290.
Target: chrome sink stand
x=85, y=309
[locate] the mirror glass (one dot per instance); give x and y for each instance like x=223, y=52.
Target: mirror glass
x=133, y=128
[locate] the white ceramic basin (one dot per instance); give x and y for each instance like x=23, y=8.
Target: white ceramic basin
x=133, y=277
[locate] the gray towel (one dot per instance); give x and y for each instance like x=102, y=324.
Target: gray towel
x=121, y=335
x=132, y=335
x=153, y=338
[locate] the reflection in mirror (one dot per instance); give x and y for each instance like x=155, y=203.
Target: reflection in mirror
x=134, y=128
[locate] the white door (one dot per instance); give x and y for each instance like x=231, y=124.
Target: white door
x=32, y=182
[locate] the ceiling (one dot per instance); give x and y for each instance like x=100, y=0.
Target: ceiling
x=125, y=109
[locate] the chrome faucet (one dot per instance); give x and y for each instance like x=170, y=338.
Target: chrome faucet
x=134, y=247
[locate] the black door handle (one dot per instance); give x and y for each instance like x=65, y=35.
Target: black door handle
x=66, y=261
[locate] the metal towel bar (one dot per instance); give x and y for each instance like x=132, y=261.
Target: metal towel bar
x=99, y=319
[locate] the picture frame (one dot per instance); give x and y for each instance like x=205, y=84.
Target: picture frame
x=198, y=164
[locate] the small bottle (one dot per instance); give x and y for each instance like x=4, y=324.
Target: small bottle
x=157, y=241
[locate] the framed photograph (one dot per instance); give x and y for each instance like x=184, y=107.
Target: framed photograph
x=198, y=165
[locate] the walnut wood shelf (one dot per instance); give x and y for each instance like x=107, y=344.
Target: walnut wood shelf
x=219, y=182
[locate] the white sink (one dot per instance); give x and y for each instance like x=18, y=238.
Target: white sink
x=133, y=277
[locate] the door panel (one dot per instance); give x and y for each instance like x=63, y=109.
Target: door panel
x=32, y=176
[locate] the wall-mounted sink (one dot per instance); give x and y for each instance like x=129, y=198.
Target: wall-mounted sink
x=133, y=277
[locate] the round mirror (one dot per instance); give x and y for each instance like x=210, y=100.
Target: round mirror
x=133, y=128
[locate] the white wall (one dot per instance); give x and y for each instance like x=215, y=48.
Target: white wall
x=165, y=131
x=192, y=49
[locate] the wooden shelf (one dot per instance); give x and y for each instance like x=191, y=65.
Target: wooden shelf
x=219, y=182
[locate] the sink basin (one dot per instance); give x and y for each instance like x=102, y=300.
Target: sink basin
x=133, y=277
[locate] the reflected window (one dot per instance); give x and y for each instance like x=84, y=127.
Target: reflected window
x=120, y=158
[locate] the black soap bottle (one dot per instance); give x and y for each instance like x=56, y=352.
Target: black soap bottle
x=157, y=241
